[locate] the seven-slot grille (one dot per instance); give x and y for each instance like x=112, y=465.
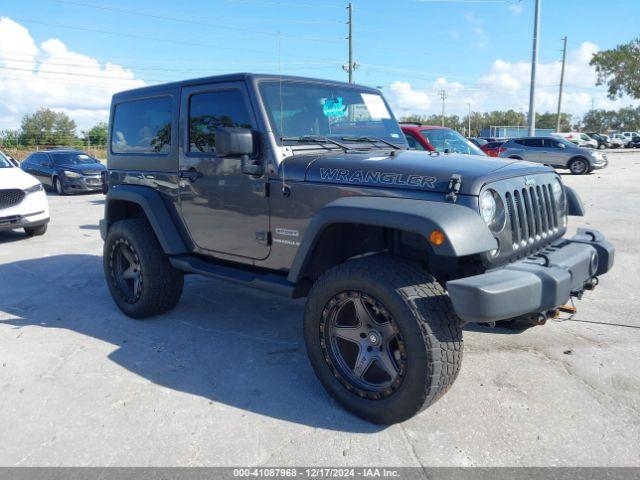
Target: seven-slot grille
x=533, y=214
x=10, y=197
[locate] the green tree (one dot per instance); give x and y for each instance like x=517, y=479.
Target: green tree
x=47, y=127
x=618, y=68
x=549, y=120
x=10, y=138
x=97, y=135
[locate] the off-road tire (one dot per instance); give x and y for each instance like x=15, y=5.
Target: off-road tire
x=161, y=283
x=36, y=231
x=573, y=166
x=430, y=329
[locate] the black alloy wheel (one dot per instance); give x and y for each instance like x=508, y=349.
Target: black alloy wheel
x=363, y=345
x=126, y=271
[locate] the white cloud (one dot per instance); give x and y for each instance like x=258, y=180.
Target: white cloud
x=405, y=100
x=50, y=75
x=506, y=86
x=515, y=8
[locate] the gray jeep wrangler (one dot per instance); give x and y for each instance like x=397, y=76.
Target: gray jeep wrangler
x=306, y=187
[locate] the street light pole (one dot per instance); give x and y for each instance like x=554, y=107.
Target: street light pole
x=564, y=59
x=534, y=61
x=469, y=117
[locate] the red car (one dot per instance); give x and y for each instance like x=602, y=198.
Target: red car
x=493, y=149
x=437, y=139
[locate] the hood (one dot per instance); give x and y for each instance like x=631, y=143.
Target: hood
x=406, y=169
x=84, y=168
x=16, y=178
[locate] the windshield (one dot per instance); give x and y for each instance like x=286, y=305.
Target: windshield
x=298, y=109
x=72, y=159
x=4, y=161
x=450, y=141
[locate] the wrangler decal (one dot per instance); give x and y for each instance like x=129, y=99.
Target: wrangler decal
x=373, y=177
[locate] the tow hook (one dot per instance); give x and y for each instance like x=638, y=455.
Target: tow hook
x=591, y=284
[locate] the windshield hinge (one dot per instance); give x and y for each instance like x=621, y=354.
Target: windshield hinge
x=455, y=183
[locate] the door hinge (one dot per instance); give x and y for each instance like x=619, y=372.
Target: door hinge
x=261, y=188
x=263, y=237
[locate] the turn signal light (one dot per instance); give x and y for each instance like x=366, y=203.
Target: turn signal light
x=436, y=237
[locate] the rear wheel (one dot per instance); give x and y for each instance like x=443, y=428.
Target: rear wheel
x=382, y=337
x=140, y=278
x=579, y=166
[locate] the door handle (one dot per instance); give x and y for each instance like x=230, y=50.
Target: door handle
x=192, y=174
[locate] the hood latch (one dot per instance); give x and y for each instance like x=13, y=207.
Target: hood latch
x=455, y=183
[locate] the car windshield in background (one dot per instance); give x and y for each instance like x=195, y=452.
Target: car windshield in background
x=72, y=159
x=4, y=161
x=450, y=141
x=344, y=114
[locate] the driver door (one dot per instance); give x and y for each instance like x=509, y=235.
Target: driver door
x=225, y=210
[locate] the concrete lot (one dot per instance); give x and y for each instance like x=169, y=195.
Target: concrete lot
x=224, y=380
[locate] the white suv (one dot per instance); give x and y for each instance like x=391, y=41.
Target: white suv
x=23, y=203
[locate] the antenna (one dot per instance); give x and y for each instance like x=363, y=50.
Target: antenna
x=285, y=190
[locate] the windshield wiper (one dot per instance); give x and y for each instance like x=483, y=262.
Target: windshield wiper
x=315, y=139
x=372, y=140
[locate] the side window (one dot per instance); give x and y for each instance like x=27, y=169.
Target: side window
x=520, y=142
x=534, y=142
x=413, y=143
x=551, y=143
x=207, y=111
x=142, y=126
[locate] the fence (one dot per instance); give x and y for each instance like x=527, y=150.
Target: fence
x=20, y=153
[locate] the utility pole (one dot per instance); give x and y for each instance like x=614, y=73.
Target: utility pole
x=564, y=59
x=443, y=96
x=469, y=117
x=534, y=61
x=351, y=66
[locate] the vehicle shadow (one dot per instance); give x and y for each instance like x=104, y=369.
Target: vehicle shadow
x=9, y=236
x=226, y=343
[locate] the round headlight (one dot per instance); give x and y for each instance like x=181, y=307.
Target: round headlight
x=487, y=206
x=557, y=191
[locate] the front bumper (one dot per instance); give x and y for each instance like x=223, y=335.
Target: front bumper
x=33, y=211
x=86, y=183
x=537, y=284
x=597, y=163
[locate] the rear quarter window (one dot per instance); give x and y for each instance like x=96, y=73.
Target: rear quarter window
x=142, y=126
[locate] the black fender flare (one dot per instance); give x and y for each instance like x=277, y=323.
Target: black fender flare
x=155, y=210
x=465, y=232
x=575, y=207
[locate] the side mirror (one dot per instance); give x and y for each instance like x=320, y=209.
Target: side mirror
x=561, y=146
x=233, y=141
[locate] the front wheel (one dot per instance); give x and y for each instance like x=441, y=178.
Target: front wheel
x=579, y=166
x=382, y=337
x=140, y=278
x=58, y=187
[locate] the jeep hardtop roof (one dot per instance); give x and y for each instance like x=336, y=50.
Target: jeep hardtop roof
x=231, y=77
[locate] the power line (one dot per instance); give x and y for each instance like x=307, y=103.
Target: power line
x=190, y=21
x=156, y=39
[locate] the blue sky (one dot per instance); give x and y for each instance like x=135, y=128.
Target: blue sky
x=477, y=50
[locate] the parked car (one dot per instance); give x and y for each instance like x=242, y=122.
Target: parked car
x=9, y=159
x=634, y=142
x=493, y=149
x=66, y=171
x=556, y=152
x=615, y=142
x=437, y=139
x=495, y=139
x=578, y=138
x=618, y=137
x=395, y=249
x=603, y=140
x=628, y=136
x=23, y=203
x=478, y=142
